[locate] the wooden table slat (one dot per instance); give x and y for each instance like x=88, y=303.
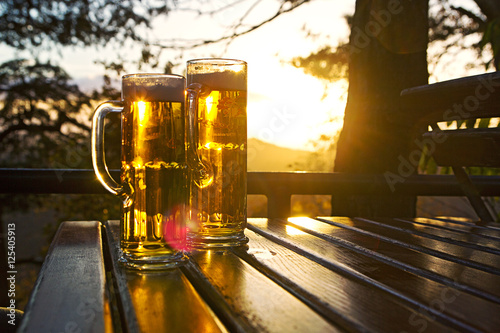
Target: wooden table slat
x=468, y=240
x=331, y=292
x=244, y=289
x=487, y=233
x=448, y=272
x=395, y=281
x=74, y=297
x=465, y=256
x=157, y=301
x=215, y=300
x=489, y=228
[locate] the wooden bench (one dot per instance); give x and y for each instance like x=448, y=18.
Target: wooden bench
x=462, y=100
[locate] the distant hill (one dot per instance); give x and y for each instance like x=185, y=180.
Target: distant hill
x=263, y=156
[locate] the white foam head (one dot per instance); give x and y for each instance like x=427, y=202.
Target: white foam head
x=153, y=87
x=218, y=74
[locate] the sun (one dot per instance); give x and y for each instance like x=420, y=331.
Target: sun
x=290, y=108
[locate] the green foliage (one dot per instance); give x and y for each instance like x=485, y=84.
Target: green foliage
x=45, y=117
x=492, y=36
x=449, y=23
x=45, y=123
x=39, y=112
x=449, y=27
x=328, y=63
x=31, y=24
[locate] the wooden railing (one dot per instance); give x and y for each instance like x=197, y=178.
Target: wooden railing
x=278, y=187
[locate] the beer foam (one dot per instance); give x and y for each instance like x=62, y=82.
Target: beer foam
x=153, y=87
x=227, y=80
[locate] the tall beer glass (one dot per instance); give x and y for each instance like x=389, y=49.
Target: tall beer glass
x=154, y=173
x=217, y=93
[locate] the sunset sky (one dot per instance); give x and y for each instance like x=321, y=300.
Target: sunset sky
x=285, y=107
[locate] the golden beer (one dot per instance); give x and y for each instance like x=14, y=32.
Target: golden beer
x=154, y=174
x=218, y=209
x=154, y=169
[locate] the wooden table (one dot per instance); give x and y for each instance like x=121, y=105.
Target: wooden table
x=297, y=275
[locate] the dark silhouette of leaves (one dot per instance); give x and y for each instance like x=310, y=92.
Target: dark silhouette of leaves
x=31, y=24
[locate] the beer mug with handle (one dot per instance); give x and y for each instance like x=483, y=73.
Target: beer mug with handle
x=155, y=176
x=217, y=94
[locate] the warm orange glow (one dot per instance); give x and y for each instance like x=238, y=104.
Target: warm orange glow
x=293, y=231
x=211, y=106
x=305, y=222
x=286, y=123
x=209, y=102
x=141, y=120
x=213, y=146
x=237, y=68
x=141, y=107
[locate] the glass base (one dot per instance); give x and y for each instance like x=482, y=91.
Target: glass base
x=200, y=241
x=152, y=263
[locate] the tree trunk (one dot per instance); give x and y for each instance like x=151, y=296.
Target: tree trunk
x=388, y=54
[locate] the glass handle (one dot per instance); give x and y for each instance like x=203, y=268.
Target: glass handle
x=203, y=175
x=97, y=146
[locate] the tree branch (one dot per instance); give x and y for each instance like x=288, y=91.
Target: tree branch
x=31, y=128
x=211, y=12
x=465, y=12
x=294, y=4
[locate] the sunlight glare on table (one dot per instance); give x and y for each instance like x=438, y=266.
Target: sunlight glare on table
x=305, y=222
